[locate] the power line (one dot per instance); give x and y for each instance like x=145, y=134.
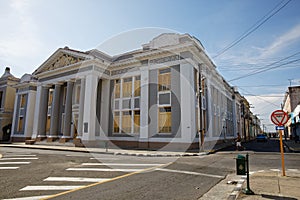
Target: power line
x=253, y=28
x=263, y=69
x=271, y=103
x=257, y=72
x=254, y=86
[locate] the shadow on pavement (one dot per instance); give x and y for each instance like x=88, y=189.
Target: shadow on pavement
x=267, y=196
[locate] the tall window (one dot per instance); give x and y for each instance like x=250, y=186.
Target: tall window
x=23, y=101
x=164, y=101
x=77, y=94
x=136, y=121
x=20, y=125
x=127, y=105
x=126, y=121
x=117, y=88
x=164, y=79
x=23, y=98
x=64, y=95
x=137, y=86
x=127, y=87
x=50, y=97
x=116, y=122
x=164, y=120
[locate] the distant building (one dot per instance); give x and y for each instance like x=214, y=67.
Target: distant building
x=7, y=98
x=160, y=96
x=291, y=104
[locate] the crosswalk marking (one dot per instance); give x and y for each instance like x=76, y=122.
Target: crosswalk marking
x=9, y=168
x=30, y=198
x=293, y=170
x=118, y=164
x=50, y=187
x=76, y=179
x=13, y=163
x=188, y=172
x=103, y=169
x=19, y=159
x=104, y=158
x=18, y=155
x=275, y=170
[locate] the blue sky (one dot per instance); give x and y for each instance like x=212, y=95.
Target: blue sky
x=31, y=30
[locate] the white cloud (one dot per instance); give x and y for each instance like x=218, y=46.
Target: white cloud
x=281, y=42
x=20, y=40
x=256, y=55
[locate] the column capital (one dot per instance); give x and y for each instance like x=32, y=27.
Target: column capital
x=73, y=80
x=46, y=86
x=60, y=83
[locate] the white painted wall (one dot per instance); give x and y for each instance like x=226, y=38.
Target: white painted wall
x=188, y=126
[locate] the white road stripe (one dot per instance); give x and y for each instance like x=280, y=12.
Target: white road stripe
x=50, y=187
x=18, y=155
x=76, y=179
x=14, y=163
x=75, y=155
x=118, y=164
x=293, y=170
x=275, y=170
x=103, y=169
x=19, y=159
x=30, y=198
x=104, y=158
x=189, y=172
x=9, y=167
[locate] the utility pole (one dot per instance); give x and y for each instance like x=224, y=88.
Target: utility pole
x=201, y=133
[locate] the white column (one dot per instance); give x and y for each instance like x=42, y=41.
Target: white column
x=37, y=111
x=105, y=108
x=14, y=120
x=188, y=126
x=68, y=110
x=144, y=104
x=55, y=112
x=81, y=108
x=30, y=113
x=209, y=109
x=89, y=114
x=42, y=115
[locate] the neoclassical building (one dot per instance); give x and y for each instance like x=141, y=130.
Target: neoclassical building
x=7, y=98
x=161, y=95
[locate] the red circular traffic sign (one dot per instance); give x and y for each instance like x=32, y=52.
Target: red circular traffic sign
x=279, y=117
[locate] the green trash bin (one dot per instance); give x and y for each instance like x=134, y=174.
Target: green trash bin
x=241, y=165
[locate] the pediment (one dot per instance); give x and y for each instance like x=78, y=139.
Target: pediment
x=60, y=59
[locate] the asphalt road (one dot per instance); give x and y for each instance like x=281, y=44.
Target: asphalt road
x=45, y=174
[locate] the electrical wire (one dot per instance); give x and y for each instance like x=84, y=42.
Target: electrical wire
x=270, y=66
x=253, y=28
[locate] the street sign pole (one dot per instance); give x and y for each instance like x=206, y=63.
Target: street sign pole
x=280, y=118
x=282, y=154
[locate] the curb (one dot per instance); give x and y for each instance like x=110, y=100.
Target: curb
x=291, y=148
x=111, y=153
x=237, y=190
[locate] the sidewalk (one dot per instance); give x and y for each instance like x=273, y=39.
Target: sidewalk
x=129, y=152
x=70, y=147
x=272, y=185
x=292, y=146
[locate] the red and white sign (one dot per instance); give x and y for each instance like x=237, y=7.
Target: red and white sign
x=279, y=117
